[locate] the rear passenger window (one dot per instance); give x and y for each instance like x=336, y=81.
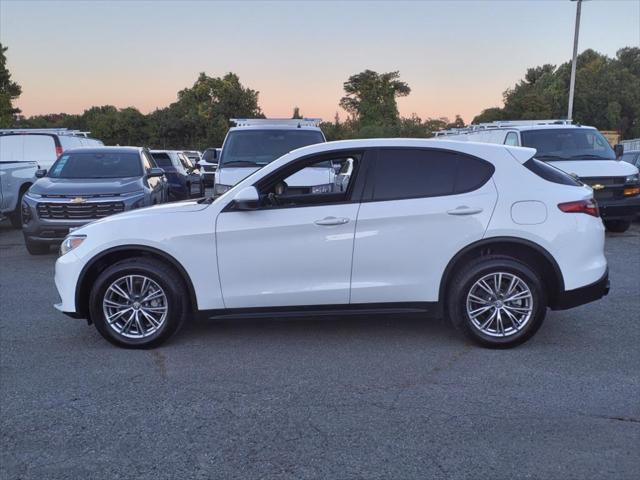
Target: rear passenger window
x=512, y=139
x=549, y=172
x=414, y=173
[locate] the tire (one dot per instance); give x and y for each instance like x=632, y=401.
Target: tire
x=15, y=217
x=201, y=192
x=530, y=310
x=36, y=248
x=617, y=226
x=169, y=311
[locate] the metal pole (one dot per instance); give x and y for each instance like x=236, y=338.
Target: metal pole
x=572, y=83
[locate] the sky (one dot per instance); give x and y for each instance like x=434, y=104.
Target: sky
x=457, y=56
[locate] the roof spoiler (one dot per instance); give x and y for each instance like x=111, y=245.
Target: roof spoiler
x=521, y=154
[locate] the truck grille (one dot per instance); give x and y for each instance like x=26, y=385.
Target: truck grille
x=79, y=211
x=605, y=187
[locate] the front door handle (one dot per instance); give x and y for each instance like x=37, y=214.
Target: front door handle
x=464, y=210
x=328, y=221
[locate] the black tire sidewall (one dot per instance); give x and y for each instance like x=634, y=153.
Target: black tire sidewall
x=159, y=274
x=617, y=226
x=465, y=279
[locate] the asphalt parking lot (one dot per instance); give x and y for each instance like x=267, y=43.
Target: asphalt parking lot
x=383, y=397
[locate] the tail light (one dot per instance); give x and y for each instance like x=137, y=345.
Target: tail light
x=59, y=150
x=590, y=207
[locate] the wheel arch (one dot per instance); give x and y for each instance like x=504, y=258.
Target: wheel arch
x=534, y=255
x=100, y=262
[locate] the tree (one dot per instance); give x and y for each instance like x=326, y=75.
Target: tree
x=296, y=113
x=371, y=98
x=9, y=91
x=607, y=93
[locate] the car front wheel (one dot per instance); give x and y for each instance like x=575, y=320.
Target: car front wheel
x=138, y=303
x=497, y=301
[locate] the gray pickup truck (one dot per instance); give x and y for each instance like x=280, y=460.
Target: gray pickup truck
x=15, y=180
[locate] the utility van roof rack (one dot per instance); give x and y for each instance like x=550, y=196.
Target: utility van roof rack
x=58, y=131
x=501, y=124
x=292, y=122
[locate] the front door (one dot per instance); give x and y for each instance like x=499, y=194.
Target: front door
x=294, y=250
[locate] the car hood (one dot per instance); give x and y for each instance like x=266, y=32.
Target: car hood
x=304, y=178
x=308, y=177
x=86, y=186
x=232, y=175
x=595, y=168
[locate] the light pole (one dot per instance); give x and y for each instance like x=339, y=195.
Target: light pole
x=572, y=82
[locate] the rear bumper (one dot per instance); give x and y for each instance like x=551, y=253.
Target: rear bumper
x=621, y=209
x=580, y=296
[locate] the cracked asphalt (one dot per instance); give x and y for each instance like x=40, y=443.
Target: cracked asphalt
x=378, y=397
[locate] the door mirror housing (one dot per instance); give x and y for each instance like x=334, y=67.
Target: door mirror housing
x=41, y=172
x=247, y=199
x=619, y=149
x=155, y=172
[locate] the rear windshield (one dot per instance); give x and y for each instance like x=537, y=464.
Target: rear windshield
x=162, y=159
x=550, y=173
x=209, y=155
x=568, y=144
x=97, y=165
x=252, y=148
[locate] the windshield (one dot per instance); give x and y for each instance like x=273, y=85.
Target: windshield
x=97, y=165
x=252, y=148
x=568, y=144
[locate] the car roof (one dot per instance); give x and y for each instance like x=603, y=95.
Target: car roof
x=104, y=150
x=276, y=127
x=521, y=154
x=522, y=128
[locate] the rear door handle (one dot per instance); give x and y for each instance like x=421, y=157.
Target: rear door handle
x=328, y=221
x=464, y=210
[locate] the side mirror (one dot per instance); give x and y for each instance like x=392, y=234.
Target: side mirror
x=155, y=172
x=619, y=149
x=247, y=199
x=41, y=172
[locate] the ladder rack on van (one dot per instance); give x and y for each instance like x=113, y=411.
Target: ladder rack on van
x=57, y=131
x=500, y=124
x=291, y=122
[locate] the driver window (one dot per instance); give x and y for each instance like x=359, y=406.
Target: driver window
x=325, y=181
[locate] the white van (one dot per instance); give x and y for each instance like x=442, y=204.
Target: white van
x=580, y=151
x=42, y=146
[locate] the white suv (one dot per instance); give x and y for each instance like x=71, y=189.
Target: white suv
x=484, y=234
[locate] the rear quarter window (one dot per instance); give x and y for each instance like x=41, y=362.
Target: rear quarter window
x=415, y=173
x=550, y=173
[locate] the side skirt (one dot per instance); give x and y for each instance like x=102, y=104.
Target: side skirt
x=300, y=311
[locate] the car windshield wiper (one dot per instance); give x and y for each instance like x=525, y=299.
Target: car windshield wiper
x=239, y=162
x=557, y=157
x=590, y=157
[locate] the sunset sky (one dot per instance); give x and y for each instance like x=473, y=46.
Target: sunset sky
x=457, y=56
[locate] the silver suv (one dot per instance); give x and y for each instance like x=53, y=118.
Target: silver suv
x=85, y=184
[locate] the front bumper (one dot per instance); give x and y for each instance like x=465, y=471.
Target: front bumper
x=580, y=296
x=619, y=209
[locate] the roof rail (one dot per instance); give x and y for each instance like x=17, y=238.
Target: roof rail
x=501, y=124
x=293, y=122
x=58, y=131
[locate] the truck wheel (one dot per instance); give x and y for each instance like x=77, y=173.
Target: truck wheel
x=15, y=217
x=617, y=226
x=497, y=301
x=36, y=248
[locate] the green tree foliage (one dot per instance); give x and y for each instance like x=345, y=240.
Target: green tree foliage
x=607, y=93
x=371, y=99
x=9, y=91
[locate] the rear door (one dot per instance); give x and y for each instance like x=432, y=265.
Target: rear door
x=420, y=208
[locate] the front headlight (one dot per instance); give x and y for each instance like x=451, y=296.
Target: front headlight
x=326, y=188
x=71, y=242
x=633, y=178
x=219, y=189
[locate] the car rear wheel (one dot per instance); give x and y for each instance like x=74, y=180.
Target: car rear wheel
x=497, y=301
x=138, y=303
x=617, y=226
